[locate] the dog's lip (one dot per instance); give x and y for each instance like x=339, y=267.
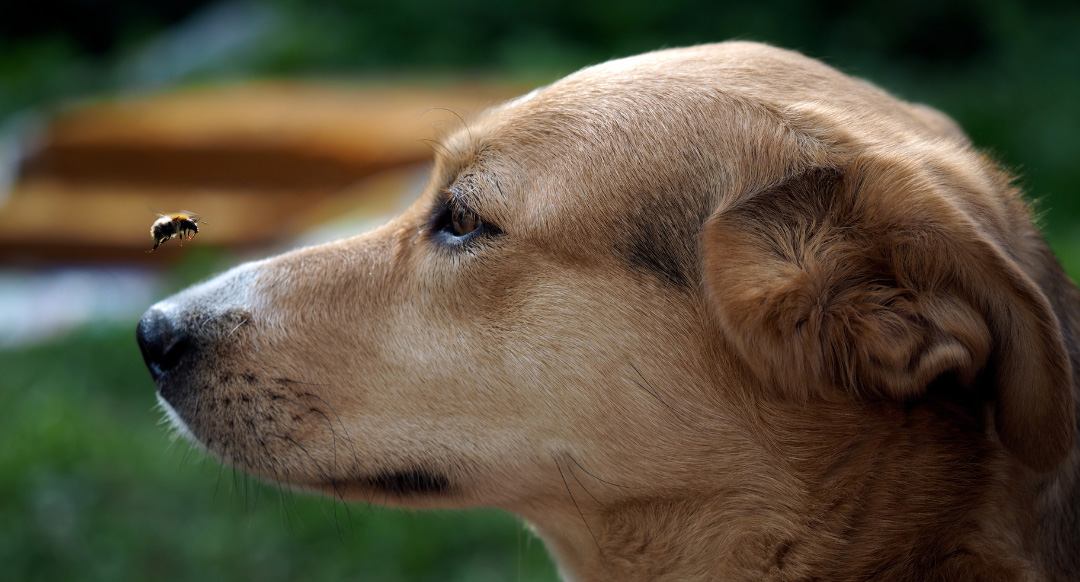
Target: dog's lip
x=404, y=484
x=176, y=419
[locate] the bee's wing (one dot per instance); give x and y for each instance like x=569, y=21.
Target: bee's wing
x=196, y=217
x=193, y=216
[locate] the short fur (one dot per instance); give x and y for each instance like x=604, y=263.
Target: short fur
x=733, y=316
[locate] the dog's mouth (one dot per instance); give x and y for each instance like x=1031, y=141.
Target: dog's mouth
x=265, y=426
x=400, y=484
x=282, y=432
x=253, y=416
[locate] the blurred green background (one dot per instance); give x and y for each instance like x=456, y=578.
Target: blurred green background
x=91, y=487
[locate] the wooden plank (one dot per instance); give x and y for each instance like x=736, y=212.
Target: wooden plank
x=258, y=161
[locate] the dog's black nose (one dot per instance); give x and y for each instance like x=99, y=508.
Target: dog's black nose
x=162, y=342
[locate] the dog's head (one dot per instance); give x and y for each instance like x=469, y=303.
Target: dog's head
x=611, y=282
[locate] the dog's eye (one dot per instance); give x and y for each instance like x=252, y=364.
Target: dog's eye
x=454, y=224
x=462, y=222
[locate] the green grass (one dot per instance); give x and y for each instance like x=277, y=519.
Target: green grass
x=91, y=488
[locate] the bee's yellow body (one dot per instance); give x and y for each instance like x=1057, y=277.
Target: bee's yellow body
x=168, y=226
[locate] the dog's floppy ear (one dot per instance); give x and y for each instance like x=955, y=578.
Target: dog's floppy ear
x=869, y=281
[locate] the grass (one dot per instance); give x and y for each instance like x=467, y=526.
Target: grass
x=91, y=488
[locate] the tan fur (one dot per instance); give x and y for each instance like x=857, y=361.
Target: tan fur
x=743, y=318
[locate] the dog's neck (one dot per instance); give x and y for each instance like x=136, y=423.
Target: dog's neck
x=660, y=540
x=771, y=524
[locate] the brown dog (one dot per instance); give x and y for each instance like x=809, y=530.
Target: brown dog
x=716, y=313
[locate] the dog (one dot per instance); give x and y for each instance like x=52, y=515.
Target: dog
x=710, y=313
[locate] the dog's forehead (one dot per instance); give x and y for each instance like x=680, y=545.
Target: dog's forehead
x=631, y=142
x=626, y=112
x=600, y=120
x=661, y=138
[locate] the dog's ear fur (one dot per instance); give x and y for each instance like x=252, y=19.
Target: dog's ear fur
x=870, y=281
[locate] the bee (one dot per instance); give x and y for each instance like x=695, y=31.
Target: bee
x=184, y=225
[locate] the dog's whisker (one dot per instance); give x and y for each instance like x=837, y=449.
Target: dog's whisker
x=455, y=114
x=589, y=473
x=348, y=513
x=217, y=483
x=329, y=425
x=233, y=461
x=279, y=481
x=344, y=429
x=242, y=322
x=257, y=485
x=173, y=446
x=333, y=482
x=580, y=484
x=333, y=431
x=334, y=512
x=265, y=459
x=651, y=391
x=206, y=321
x=578, y=508
x=430, y=143
x=247, y=485
x=291, y=497
x=291, y=381
x=327, y=422
x=318, y=466
x=183, y=459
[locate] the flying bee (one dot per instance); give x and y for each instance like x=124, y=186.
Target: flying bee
x=183, y=225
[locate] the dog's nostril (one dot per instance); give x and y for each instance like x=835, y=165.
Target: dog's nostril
x=161, y=341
